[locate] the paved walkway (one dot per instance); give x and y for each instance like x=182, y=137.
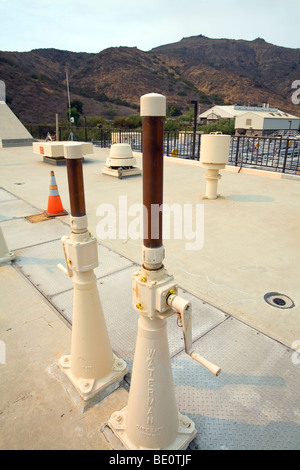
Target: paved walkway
x=251, y=248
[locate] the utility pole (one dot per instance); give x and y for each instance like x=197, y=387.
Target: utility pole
x=57, y=127
x=195, y=103
x=71, y=136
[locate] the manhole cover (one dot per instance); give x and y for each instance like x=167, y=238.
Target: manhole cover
x=279, y=300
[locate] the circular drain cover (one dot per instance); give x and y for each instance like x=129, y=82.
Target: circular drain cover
x=279, y=300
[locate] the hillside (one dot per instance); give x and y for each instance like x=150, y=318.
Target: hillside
x=213, y=71
x=240, y=71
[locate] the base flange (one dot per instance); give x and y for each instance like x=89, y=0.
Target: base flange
x=186, y=432
x=125, y=172
x=8, y=257
x=88, y=388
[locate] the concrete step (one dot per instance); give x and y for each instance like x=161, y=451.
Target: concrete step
x=15, y=142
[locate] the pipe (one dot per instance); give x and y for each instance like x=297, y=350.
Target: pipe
x=76, y=183
x=153, y=111
x=153, y=131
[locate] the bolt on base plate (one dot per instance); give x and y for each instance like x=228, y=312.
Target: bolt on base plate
x=88, y=388
x=7, y=257
x=204, y=197
x=126, y=172
x=185, y=435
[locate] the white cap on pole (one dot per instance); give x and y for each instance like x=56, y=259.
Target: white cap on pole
x=153, y=104
x=73, y=150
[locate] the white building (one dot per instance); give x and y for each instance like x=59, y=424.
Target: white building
x=253, y=120
x=220, y=112
x=266, y=121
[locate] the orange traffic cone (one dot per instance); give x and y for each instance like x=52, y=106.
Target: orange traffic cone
x=55, y=207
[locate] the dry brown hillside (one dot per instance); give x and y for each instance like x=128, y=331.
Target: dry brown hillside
x=213, y=71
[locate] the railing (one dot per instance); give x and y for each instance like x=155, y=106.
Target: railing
x=273, y=154
x=83, y=134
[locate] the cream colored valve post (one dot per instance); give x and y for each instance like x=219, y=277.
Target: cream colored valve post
x=151, y=419
x=214, y=156
x=92, y=366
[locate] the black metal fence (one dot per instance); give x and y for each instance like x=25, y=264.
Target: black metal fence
x=176, y=144
x=275, y=154
x=268, y=153
x=82, y=134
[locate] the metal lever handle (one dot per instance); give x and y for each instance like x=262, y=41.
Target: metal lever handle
x=215, y=370
x=67, y=271
x=185, y=309
x=63, y=269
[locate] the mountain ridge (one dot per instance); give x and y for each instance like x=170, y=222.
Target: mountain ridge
x=110, y=82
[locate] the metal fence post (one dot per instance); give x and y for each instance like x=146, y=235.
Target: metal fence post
x=168, y=149
x=199, y=146
x=285, y=155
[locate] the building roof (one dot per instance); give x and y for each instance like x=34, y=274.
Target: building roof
x=270, y=114
x=222, y=112
x=234, y=111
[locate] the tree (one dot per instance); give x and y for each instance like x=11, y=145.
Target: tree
x=75, y=111
x=74, y=114
x=172, y=125
x=135, y=121
x=173, y=111
x=130, y=122
x=226, y=126
x=78, y=105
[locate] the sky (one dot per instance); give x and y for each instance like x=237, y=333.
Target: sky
x=94, y=25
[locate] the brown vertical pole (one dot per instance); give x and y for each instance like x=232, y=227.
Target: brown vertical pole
x=153, y=111
x=153, y=135
x=76, y=187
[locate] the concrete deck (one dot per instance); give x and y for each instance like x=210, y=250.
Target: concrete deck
x=251, y=248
